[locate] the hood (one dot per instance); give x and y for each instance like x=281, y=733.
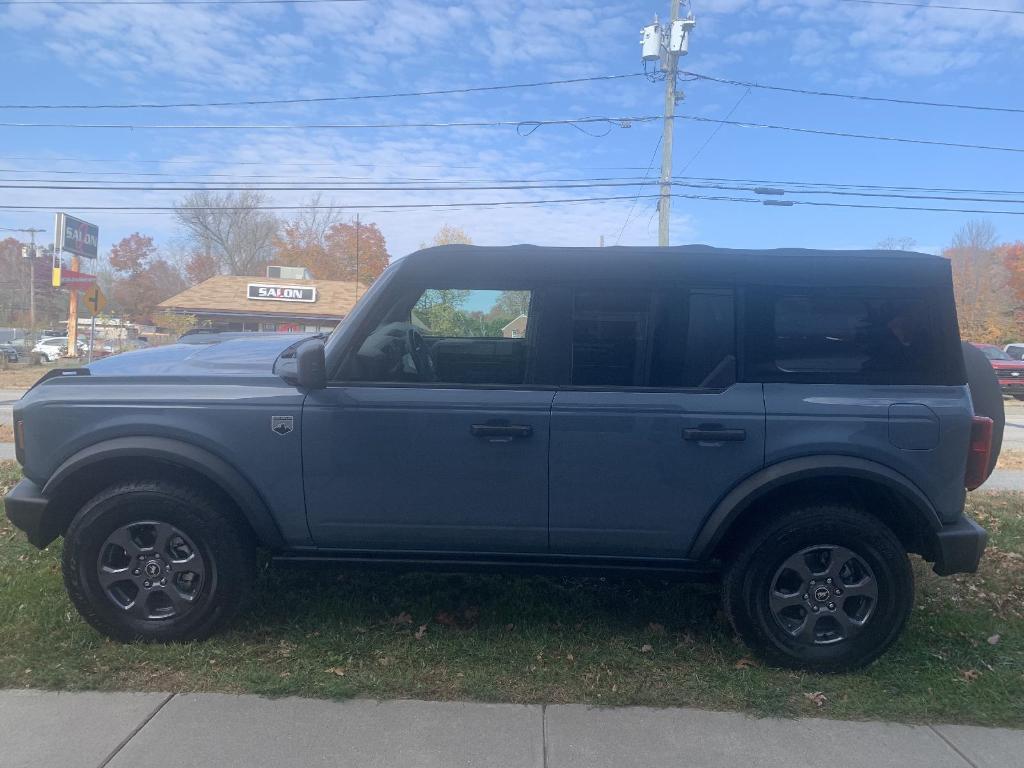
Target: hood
x=233, y=356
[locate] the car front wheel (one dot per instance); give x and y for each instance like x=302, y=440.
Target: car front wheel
x=825, y=588
x=157, y=562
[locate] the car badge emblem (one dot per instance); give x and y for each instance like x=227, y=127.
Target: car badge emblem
x=282, y=425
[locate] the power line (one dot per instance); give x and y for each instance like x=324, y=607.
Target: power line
x=398, y=183
x=847, y=135
x=172, y=2
x=512, y=187
x=507, y=203
x=632, y=208
x=714, y=133
x=322, y=99
x=622, y=122
x=775, y=182
x=209, y=161
x=361, y=206
x=935, y=6
x=853, y=96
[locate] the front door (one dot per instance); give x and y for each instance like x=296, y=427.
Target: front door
x=652, y=428
x=436, y=439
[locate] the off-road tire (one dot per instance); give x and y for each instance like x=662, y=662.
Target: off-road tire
x=750, y=576
x=225, y=543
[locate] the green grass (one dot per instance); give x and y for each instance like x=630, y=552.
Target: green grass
x=329, y=633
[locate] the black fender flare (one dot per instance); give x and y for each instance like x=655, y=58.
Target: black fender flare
x=177, y=452
x=760, y=483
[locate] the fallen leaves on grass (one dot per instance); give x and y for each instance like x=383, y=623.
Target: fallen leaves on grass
x=465, y=620
x=339, y=671
x=969, y=675
x=646, y=648
x=994, y=639
x=403, y=618
x=421, y=632
x=1010, y=460
x=745, y=663
x=818, y=698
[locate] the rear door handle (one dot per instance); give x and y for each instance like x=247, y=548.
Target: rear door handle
x=506, y=431
x=704, y=435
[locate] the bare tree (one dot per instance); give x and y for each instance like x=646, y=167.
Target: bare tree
x=311, y=224
x=980, y=282
x=233, y=229
x=896, y=244
x=449, y=235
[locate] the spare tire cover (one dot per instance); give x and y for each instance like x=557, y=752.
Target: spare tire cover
x=986, y=395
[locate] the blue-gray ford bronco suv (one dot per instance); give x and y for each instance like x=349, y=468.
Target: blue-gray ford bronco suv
x=792, y=422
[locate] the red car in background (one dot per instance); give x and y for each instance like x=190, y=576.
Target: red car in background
x=1010, y=372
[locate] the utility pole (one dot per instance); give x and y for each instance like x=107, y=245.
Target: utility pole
x=31, y=254
x=666, y=44
x=357, y=257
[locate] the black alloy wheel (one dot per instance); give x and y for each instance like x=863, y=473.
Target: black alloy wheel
x=156, y=561
x=152, y=570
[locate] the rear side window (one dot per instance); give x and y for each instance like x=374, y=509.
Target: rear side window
x=654, y=338
x=847, y=337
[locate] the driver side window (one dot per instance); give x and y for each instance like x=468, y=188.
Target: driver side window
x=449, y=336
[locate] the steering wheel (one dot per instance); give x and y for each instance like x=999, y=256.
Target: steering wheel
x=421, y=356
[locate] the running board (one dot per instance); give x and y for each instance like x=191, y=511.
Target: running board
x=663, y=568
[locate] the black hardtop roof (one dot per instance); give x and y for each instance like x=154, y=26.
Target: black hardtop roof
x=777, y=266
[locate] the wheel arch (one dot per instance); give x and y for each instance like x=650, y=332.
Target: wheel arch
x=98, y=466
x=908, y=512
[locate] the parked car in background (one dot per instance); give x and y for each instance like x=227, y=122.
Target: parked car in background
x=1015, y=350
x=51, y=347
x=1009, y=371
x=9, y=352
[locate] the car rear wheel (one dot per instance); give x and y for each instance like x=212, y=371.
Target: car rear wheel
x=825, y=588
x=157, y=562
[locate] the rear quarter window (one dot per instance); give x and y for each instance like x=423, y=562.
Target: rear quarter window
x=849, y=336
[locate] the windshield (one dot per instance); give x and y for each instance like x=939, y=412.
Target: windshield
x=995, y=354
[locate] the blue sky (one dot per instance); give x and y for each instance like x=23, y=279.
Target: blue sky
x=104, y=54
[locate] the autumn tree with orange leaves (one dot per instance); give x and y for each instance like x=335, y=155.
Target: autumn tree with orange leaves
x=326, y=245
x=1012, y=256
x=141, y=279
x=985, y=300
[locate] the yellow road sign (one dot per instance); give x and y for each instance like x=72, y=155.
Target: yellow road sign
x=94, y=300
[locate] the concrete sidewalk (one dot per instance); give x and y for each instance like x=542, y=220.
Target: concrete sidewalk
x=96, y=730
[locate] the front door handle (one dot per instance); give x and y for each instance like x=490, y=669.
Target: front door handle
x=499, y=431
x=714, y=435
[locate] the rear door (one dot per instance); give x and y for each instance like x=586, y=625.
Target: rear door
x=651, y=427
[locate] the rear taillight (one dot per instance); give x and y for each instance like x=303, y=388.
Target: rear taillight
x=979, y=452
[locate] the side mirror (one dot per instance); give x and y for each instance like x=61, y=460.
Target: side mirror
x=311, y=365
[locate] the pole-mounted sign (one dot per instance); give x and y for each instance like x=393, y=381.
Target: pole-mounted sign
x=75, y=281
x=78, y=237
x=82, y=240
